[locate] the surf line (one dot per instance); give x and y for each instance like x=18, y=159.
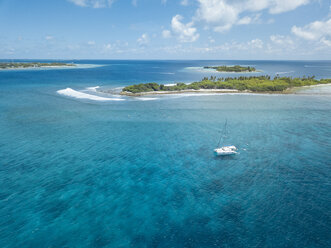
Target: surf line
x=80, y=95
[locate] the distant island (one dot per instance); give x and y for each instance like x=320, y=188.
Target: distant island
x=23, y=65
x=235, y=68
x=260, y=84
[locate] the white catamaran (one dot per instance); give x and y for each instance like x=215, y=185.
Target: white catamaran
x=224, y=150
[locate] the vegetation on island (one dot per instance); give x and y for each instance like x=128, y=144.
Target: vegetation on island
x=235, y=68
x=18, y=65
x=252, y=84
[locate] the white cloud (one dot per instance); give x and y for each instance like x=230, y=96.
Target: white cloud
x=166, y=34
x=115, y=47
x=91, y=42
x=73, y=47
x=185, y=32
x=245, y=20
x=270, y=21
x=326, y=42
x=218, y=12
x=249, y=19
x=315, y=31
x=279, y=6
x=233, y=47
x=184, y=2
x=108, y=46
x=223, y=14
x=257, y=43
x=93, y=3
x=281, y=40
x=10, y=51
x=211, y=40
x=82, y=3
x=143, y=40
x=307, y=35
x=48, y=37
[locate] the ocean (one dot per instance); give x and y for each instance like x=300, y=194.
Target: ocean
x=77, y=170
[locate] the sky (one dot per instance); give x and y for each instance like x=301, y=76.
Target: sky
x=165, y=29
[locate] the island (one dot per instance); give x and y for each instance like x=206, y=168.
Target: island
x=235, y=68
x=257, y=84
x=25, y=65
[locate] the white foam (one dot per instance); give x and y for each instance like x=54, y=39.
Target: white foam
x=146, y=98
x=77, y=94
x=94, y=89
x=118, y=88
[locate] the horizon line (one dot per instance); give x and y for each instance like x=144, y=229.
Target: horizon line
x=7, y=59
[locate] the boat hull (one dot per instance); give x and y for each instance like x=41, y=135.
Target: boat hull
x=225, y=151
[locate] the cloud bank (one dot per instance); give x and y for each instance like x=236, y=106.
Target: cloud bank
x=93, y=3
x=224, y=14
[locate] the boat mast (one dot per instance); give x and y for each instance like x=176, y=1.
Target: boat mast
x=223, y=133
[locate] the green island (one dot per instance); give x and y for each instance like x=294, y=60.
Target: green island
x=20, y=65
x=235, y=68
x=258, y=84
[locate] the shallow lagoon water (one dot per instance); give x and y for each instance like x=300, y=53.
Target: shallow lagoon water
x=81, y=173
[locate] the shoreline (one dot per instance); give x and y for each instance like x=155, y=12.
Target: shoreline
x=293, y=91
x=205, y=70
x=235, y=72
x=201, y=91
x=46, y=67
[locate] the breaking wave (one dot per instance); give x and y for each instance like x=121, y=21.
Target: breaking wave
x=94, y=89
x=146, y=98
x=80, y=95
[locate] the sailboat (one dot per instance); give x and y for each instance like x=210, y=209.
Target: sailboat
x=224, y=150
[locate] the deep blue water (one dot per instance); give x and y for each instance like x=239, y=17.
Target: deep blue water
x=133, y=173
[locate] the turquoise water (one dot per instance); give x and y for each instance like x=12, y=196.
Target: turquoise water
x=133, y=173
